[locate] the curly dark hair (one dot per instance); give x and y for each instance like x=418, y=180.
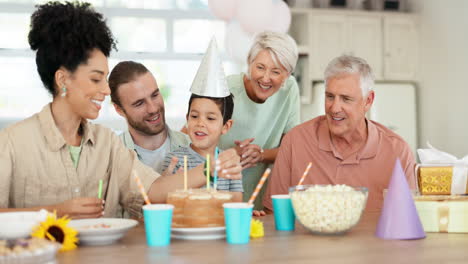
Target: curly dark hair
x=64, y=34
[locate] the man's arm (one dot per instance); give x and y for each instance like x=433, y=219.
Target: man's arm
x=162, y=185
x=280, y=178
x=408, y=163
x=76, y=208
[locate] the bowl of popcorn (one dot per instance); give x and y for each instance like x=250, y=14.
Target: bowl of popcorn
x=328, y=209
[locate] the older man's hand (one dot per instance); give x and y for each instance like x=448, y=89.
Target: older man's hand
x=228, y=165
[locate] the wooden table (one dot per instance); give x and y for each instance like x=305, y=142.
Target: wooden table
x=357, y=246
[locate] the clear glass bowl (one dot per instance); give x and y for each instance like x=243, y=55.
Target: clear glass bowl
x=328, y=209
x=28, y=251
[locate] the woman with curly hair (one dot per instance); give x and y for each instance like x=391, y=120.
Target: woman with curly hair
x=56, y=159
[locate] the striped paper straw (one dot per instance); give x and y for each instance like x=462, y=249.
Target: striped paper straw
x=259, y=185
x=305, y=173
x=208, y=168
x=215, y=181
x=140, y=187
x=185, y=173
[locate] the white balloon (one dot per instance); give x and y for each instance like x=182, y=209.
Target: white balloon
x=281, y=18
x=254, y=15
x=237, y=42
x=224, y=9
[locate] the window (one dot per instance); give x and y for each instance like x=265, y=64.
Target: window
x=14, y=28
x=21, y=92
x=168, y=36
x=186, y=31
x=139, y=34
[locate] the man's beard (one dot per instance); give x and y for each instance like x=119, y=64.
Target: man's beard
x=142, y=127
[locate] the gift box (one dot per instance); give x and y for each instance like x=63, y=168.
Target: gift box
x=441, y=173
x=434, y=180
x=443, y=213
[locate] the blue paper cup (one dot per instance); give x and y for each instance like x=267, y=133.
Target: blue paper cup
x=158, y=220
x=283, y=211
x=237, y=217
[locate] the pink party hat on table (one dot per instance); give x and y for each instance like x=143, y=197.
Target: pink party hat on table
x=399, y=218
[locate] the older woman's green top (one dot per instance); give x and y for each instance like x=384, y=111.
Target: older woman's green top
x=265, y=122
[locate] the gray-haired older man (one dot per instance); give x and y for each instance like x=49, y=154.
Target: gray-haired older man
x=343, y=146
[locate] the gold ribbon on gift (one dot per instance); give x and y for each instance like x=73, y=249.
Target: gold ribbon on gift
x=443, y=207
x=443, y=213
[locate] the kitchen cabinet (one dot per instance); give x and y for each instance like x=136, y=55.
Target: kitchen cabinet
x=334, y=34
x=400, y=47
x=387, y=41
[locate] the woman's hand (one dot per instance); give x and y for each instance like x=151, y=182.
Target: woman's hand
x=251, y=154
x=228, y=165
x=170, y=169
x=81, y=207
x=240, y=145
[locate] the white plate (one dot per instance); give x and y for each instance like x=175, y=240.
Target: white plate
x=19, y=224
x=202, y=233
x=101, y=231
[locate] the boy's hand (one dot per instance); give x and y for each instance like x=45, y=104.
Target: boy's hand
x=228, y=165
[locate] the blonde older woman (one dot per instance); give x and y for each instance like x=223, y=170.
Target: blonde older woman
x=266, y=106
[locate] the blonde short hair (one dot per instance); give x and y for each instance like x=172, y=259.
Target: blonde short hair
x=281, y=46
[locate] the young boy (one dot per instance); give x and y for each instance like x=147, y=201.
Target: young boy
x=207, y=119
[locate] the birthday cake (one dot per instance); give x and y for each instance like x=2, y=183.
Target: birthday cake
x=198, y=207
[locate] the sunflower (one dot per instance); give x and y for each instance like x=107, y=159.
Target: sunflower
x=256, y=229
x=57, y=230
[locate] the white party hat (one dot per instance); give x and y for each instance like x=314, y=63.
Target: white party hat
x=210, y=79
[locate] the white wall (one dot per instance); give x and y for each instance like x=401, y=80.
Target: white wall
x=443, y=78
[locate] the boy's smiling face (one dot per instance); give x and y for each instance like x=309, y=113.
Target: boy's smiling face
x=205, y=125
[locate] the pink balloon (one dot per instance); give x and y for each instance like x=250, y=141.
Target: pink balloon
x=237, y=43
x=281, y=18
x=224, y=9
x=254, y=15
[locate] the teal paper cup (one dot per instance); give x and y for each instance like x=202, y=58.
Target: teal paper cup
x=283, y=211
x=237, y=217
x=158, y=220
